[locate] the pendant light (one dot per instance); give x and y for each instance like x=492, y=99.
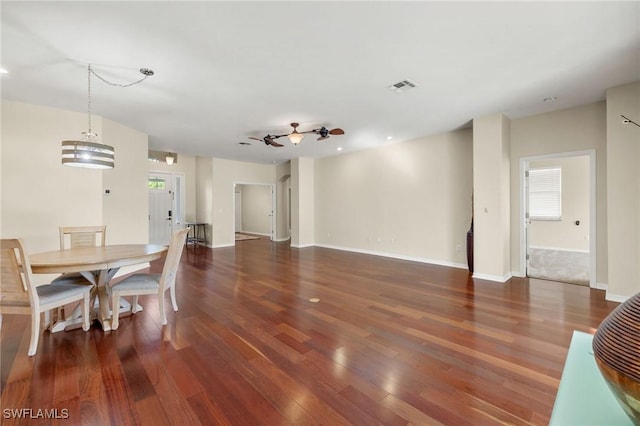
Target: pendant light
x=88, y=151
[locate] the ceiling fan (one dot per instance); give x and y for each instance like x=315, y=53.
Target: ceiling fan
x=296, y=137
x=268, y=140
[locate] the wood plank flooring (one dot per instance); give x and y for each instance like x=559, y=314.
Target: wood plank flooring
x=390, y=342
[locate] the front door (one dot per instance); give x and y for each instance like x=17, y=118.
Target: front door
x=160, y=208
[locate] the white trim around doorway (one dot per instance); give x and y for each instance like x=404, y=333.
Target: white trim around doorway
x=524, y=166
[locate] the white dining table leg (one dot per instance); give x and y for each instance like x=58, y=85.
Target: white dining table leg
x=101, y=312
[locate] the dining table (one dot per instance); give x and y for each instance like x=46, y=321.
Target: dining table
x=98, y=265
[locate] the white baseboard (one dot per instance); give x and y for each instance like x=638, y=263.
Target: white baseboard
x=254, y=233
x=302, y=245
x=615, y=297
x=222, y=245
x=397, y=256
x=496, y=278
x=279, y=240
x=601, y=286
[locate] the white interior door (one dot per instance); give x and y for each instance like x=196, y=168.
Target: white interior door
x=160, y=208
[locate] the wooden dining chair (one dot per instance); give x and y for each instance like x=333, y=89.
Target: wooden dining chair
x=139, y=284
x=79, y=236
x=19, y=295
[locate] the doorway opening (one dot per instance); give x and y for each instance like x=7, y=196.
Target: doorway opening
x=166, y=205
x=558, y=217
x=254, y=210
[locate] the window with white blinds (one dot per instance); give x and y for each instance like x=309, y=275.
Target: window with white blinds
x=545, y=194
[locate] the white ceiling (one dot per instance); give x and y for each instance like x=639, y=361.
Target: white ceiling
x=225, y=71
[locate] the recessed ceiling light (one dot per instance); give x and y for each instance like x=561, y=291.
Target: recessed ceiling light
x=551, y=99
x=339, y=148
x=389, y=138
x=3, y=71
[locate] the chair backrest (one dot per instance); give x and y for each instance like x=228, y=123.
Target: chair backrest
x=16, y=286
x=82, y=236
x=171, y=262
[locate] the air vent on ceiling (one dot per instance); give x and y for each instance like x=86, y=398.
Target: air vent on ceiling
x=402, y=86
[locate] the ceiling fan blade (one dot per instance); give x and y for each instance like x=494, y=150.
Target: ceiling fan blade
x=321, y=138
x=256, y=139
x=276, y=144
x=336, y=131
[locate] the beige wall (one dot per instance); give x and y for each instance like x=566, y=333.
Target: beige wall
x=570, y=130
x=126, y=208
x=623, y=191
x=303, y=202
x=37, y=191
x=39, y=194
x=409, y=200
x=256, y=208
x=225, y=174
x=283, y=208
x=491, y=197
x=204, y=194
x=564, y=234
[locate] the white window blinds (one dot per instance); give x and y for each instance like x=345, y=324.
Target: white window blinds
x=545, y=194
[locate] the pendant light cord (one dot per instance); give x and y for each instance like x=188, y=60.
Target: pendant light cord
x=144, y=71
x=89, y=97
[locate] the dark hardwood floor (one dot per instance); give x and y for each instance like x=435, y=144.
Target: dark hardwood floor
x=390, y=342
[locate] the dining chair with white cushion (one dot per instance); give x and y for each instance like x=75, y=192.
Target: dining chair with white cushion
x=19, y=295
x=79, y=236
x=139, y=284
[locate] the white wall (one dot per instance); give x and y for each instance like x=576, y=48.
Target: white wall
x=409, y=200
x=623, y=191
x=570, y=130
x=565, y=234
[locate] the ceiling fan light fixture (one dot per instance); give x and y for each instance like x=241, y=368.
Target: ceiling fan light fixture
x=295, y=137
x=169, y=159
